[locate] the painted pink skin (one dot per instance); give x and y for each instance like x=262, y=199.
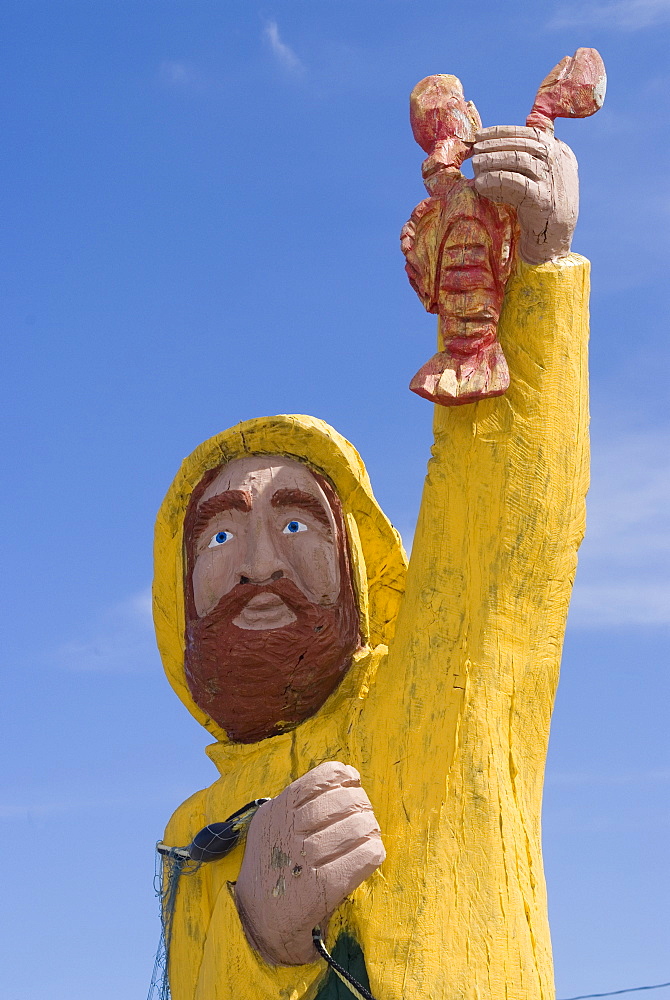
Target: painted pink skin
x=536, y=173
x=306, y=851
x=258, y=547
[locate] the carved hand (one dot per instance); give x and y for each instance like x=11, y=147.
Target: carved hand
x=306, y=850
x=536, y=173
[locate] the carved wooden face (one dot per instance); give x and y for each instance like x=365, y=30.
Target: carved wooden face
x=272, y=620
x=263, y=519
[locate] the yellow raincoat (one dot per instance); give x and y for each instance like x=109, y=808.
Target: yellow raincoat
x=446, y=711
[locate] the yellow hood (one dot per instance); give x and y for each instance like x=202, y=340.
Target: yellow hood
x=378, y=559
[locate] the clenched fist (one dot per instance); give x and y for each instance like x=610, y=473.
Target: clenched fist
x=306, y=850
x=537, y=174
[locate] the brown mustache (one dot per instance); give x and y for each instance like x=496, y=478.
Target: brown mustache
x=236, y=599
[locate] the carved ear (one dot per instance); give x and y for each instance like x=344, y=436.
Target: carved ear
x=473, y=115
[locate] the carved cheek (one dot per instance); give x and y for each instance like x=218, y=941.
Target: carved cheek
x=326, y=583
x=299, y=557
x=202, y=584
x=211, y=580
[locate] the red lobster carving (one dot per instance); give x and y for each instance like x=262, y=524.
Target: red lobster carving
x=459, y=247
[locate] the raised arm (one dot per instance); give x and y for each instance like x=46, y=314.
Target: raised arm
x=503, y=505
x=466, y=696
x=502, y=512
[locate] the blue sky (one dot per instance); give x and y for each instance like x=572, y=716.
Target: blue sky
x=201, y=205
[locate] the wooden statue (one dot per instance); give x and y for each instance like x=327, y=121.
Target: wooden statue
x=396, y=718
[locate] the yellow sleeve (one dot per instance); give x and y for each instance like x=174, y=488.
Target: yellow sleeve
x=231, y=969
x=460, y=713
x=503, y=506
x=192, y=905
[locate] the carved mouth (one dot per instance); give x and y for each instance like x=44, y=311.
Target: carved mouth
x=264, y=601
x=265, y=611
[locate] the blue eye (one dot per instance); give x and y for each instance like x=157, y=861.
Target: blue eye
x=220, y=538
x=293, y=527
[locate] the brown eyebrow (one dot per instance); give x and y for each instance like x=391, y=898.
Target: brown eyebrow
x=228, y=500
x=301, y=499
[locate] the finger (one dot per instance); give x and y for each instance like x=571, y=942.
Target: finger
x=518, y=163
x=509, y=188
x=341, y=877
x=322, y=778
x=329, y=807
x=509, y=132
x=339, y=839
x=536, y=147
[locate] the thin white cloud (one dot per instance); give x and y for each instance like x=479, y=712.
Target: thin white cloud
x=120, y=638
x=623, y=577
x=633, y=603
x=11, y=811
x=38, y=809
x=283, y=53
x=575, y=820
x=574, y=778
x=178, y=74
x=626, y=15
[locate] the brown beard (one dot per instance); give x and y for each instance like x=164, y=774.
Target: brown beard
x=256, y=683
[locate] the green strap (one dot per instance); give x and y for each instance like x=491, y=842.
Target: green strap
x=347, y=976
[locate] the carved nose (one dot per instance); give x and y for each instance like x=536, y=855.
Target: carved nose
x=277, y=575
x=261, y=562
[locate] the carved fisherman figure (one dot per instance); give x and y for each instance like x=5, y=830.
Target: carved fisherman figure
x=398, y=721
